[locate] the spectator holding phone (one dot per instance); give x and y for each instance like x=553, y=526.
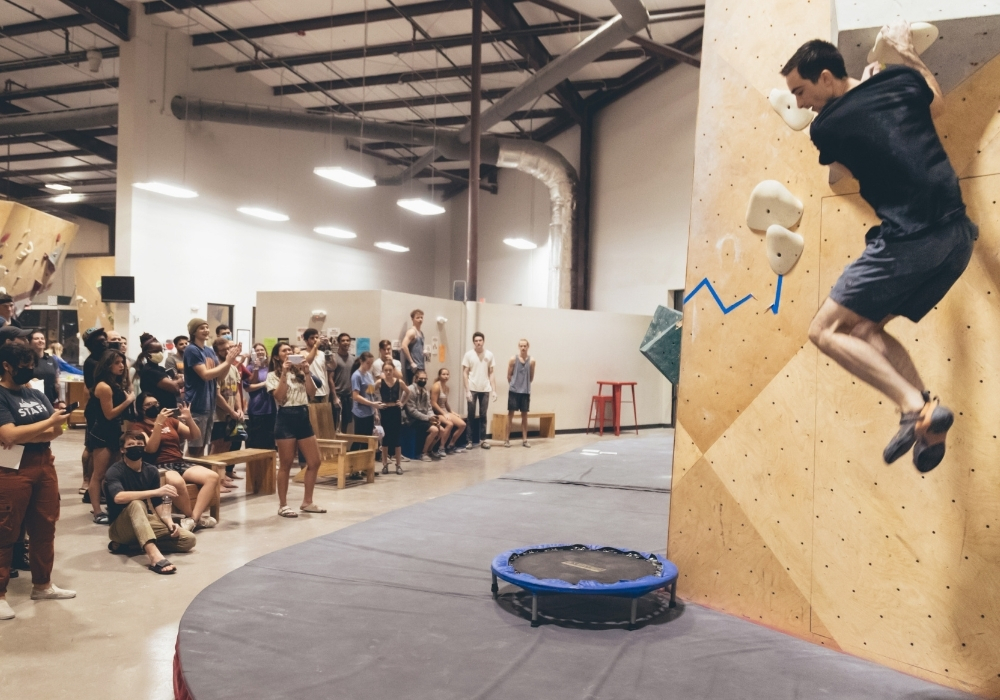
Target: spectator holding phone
x=318, y=358
x=29, y=492
x=111, y=398
x=261, y=410
x=292, y=386
x=153, y=379
x=201, y=370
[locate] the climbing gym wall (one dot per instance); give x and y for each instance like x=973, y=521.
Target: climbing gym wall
x=782, y=510
x=32, y=245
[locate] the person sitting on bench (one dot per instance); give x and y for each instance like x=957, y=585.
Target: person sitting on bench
x=420, y=415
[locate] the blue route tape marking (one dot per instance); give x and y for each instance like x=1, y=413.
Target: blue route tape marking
x=777, y=296
x=711, y=289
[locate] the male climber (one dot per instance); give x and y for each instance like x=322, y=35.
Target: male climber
x=880, y=129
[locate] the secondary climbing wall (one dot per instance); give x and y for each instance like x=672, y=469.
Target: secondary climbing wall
x=32, y=245
x=783, y=512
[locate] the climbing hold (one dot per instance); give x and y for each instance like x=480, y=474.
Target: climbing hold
x=785, y=105
x=921, y=34
x=772, y=203
x=26, y=251
x=662, y=343
x=784, y=248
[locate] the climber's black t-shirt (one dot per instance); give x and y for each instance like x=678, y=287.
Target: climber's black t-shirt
x=882, y=132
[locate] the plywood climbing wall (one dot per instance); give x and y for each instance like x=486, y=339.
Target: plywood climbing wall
x=783, y=511
x=32, y=246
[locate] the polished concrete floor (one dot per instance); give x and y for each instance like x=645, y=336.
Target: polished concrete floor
x=116, y=638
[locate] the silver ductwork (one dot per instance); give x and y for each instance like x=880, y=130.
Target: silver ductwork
x=60, y=120
x=550, y=167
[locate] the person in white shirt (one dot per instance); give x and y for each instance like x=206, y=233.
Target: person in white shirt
x=318, y=346
x=385, y=355
x=480, y=386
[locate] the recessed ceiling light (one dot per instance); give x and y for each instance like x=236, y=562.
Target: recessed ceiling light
x=163, y=188
x=520, y=243
x=421, y=206
x=67, y=198
x=334, y=232
x=263, y=213
x=392, y=246
x=57, y=187
x=344, y=177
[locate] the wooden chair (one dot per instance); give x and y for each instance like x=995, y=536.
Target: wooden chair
x=335, y=457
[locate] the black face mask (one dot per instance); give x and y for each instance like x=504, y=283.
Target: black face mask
x=152, y=411
x=23, y=375
x=421, y=382
x=134, y=453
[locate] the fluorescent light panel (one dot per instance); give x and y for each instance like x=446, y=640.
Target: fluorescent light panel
x=68, y=198
x=334, y=232
x=57, y=187
x=169, y=190
x=395, y=248
x=421, y=206
x=263, y=213
x=520, y=243
x=344, y=177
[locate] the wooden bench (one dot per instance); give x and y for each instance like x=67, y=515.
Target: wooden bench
x=335, y=457
x=546, y=424
x=76, y=418
x=262, y=466
x=193, y=489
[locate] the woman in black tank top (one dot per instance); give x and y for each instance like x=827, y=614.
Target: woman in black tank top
x=393, y=394
x=111, y=398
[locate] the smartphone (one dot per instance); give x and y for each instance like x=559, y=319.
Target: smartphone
x=172, y=373
x=115, y=345
x=296, y=359
x=175, y=412
x=72, y=407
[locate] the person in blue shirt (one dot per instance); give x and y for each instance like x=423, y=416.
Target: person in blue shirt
x=201, y=368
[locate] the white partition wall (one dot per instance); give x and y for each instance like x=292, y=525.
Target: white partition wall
x=572, y=349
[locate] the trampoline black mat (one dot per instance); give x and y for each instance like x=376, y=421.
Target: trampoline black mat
x=400, y=607
x=573, y=566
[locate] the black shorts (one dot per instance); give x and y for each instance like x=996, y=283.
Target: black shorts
x=518, y=402
x=908, y=277
x=105, y=435
x=179, y=467
x=293, y=423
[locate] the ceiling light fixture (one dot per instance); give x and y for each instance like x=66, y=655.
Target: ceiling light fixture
x=57, y=187
x=395, y=248
x=67, y=198
x=520, y=243
x=421, y=206
x=334, y=232
x=344, y=177
x=263, y=213
x=163, y=188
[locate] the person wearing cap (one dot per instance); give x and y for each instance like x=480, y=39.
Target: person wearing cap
x=13, y=334
x=201, y=368
x=7, y=311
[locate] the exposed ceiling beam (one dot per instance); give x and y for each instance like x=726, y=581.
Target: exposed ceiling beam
x=415, y=101
x=47, y=155
x=426, y=172
x=159, y=6
x=507, y=17
x=62, y=170
x=45, y=25
x=460, y=120
x=662, y=50
x=398, y=78
x=346, y=19
x=89, y=143
x=47, y=138
x=109, y=14
x=17, y=191
x=63, y=89
x=74, y=57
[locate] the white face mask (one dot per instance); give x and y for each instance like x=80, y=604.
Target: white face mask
x=156, y=357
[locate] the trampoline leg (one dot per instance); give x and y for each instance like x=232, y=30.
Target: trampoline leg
x=534, y=610
x=673, y=594
x=635, y=603
x=494, y=587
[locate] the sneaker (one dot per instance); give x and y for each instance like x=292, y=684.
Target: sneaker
x=207, y=521
x=426, y=458
x=457, y=450
x=485, y=445
x=187, y=524
x=441, y=453
x=405, y=458
x=53, y=592
x=6, y=612
x=931, y=428
x=506, y=443
x=435, y=454
x=526, y=443
x=101, y=519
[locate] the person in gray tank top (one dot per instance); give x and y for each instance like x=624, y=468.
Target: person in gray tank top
x=520, y=374
x=412, y=346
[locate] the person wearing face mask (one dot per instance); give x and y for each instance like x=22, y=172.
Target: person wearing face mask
x=420, y=415
x=261, y=410
x=165, y=436
x=153, y=379
x=29, y=491
x=223, y=331
x=133, y=488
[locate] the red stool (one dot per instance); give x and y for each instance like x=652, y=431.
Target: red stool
x=616, y=396
x=598, y=412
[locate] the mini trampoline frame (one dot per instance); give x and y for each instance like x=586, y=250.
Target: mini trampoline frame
x=634, y=589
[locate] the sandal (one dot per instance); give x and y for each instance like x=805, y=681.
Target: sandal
x=286, y=512
x=158, y=567
x=312, y=508
x=101, y=519
x=399, y=469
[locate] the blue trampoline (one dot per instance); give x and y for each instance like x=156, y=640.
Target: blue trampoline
x=584, y=569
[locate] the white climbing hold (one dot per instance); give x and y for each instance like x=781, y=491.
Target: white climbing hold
x=772, y=203
x=922, y=35
x=787, y=108
x=26, y=251
x=784, y=248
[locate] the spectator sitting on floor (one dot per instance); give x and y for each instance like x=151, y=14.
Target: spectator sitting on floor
x=129, y=484
x=165, y=436
x=153, y=379
x=420, y=415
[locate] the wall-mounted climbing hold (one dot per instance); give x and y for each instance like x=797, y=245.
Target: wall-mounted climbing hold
x=25, y=251
x=662, y=343
x=772, y=203
x=787, y=108
x=921, y=34
x=784, y=248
